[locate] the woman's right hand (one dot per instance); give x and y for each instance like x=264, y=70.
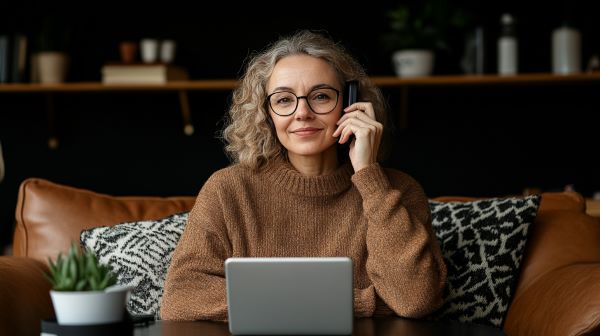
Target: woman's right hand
x=359, y=120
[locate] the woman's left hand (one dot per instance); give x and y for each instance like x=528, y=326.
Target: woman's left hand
x=359, y=119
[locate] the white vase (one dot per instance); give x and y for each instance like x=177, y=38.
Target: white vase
x=566, y=50
x=413, y=62
x=167, y=51
x=91, y=307
x=52, y=66
x=149, y=50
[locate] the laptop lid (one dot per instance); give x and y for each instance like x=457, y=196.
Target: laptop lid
x=307, y=296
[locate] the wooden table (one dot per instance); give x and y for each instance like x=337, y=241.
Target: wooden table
x=389, y=326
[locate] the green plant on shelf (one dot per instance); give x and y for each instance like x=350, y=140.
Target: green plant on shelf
x=54, y=34
x=428, y=25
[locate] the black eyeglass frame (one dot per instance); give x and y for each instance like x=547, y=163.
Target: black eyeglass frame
x=337, y=99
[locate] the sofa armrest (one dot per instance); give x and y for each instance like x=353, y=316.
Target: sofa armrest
x=565, y=301
x=24, y=296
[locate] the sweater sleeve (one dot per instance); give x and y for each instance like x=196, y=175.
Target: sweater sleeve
x=404, y=263
x=195, y=284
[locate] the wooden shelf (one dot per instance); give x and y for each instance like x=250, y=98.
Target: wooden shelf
x=528, y=78
x=182, y=87
x=212, y=84
x=230, y=84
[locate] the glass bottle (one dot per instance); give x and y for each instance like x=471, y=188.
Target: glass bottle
x=507, y=47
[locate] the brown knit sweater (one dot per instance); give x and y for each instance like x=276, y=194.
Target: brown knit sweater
x=378, y=217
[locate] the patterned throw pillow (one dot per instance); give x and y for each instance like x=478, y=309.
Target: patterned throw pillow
x=140, y=253
x=483, y=244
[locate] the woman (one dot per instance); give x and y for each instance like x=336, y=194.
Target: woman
x=293, y=192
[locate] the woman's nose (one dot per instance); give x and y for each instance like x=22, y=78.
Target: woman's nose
x=303, y=111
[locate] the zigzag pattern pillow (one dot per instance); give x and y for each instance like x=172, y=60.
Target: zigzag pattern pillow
x=140, y=254
x=483, y=244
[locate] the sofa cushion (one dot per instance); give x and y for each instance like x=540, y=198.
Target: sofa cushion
x=49, y=216
x=140, y=253
x=483, y=243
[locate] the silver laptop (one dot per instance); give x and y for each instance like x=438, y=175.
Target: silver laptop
x=287, y=296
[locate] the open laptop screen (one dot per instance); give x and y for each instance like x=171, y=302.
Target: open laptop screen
x=289, y=296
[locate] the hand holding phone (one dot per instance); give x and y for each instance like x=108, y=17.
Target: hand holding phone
x=360, y=120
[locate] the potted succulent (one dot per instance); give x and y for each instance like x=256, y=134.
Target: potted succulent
x=417, y=32
x=84, y=291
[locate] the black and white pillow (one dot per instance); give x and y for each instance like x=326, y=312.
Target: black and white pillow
x=483, y=244
x=139, y=253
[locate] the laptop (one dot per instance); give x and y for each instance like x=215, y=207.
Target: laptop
x=289, y=296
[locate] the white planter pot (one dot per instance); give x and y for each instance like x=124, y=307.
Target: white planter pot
x=92, y=307
x=413, y=63
x=52, y=67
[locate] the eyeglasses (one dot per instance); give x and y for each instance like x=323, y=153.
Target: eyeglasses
x=320, y=101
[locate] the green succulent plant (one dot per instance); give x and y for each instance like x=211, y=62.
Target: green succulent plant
x=79, y=270
x=424, y=25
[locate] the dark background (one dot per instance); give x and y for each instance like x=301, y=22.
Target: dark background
x=485, y=140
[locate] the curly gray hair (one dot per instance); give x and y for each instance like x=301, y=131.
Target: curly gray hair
x=249, y=132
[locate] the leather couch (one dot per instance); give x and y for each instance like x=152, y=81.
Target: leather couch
x=558, y=292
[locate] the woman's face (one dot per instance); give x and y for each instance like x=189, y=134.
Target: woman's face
x=305, y=132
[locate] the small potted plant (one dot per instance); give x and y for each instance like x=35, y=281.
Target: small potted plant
x=417, y=32
x=84, y=291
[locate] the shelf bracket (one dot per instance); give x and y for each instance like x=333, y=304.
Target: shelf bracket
x=184, y=103
x=51, y=114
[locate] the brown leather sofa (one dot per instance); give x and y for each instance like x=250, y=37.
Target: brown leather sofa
x=558, y=291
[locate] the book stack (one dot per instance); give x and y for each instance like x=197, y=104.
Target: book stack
x=158, y=73
x=13, y=58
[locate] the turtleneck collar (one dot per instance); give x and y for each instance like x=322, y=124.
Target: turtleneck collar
x=281, y=172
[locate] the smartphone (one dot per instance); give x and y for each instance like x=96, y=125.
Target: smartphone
x=350, y=93
x=350, y=97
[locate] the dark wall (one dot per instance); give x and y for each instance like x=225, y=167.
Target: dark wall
x=470, y=140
